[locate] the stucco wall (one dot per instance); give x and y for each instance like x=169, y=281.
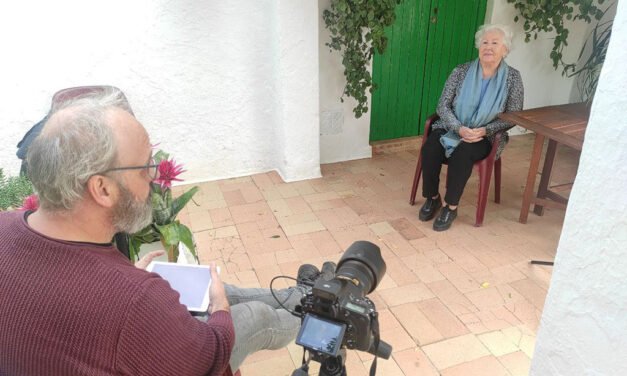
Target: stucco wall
x=230, y=88
x=544, y=86
x=342, y=136
x=583, y=326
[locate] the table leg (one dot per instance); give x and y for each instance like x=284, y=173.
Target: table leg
x=545, y=179
x=531, y=177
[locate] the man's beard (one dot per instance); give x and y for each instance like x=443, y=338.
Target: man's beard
x=130, y=215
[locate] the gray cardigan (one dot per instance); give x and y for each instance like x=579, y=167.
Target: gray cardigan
x=446, y=106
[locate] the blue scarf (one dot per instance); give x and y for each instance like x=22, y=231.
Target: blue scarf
x=472, y=110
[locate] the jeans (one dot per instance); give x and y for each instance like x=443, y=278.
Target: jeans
x=260, y=322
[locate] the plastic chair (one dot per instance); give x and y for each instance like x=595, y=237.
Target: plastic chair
x=485, y=171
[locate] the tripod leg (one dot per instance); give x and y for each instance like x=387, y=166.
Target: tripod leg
x=537, y=262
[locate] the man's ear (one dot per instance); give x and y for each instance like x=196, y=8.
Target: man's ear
x=102, y=190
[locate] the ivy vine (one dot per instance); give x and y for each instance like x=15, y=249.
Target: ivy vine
x=549, y=16
x=357, y=29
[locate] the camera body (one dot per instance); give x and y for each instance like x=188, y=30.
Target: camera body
x=341, y=301
x=337, y=311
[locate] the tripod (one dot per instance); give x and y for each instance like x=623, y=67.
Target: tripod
x=329, y=365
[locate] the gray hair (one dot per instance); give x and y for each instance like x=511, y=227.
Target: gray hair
x=75, y=144
x=508, y=34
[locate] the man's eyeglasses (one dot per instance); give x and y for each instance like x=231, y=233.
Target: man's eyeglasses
x=152, y=169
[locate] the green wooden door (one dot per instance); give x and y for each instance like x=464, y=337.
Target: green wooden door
x=427, y=40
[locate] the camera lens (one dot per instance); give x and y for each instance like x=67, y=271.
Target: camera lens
x=363, y=263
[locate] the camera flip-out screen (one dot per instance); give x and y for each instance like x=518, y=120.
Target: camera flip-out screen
x=321, y=335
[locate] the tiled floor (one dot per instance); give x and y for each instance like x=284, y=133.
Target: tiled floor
x=461, y=302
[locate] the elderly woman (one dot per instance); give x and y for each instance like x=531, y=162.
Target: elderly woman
x=474, y=94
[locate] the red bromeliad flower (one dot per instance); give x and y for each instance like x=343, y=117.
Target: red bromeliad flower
x=30, y=203
x=168, y=172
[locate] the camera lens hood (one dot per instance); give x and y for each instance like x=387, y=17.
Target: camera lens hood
x=362, y=261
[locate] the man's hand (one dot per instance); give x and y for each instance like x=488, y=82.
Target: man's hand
x=217, y=295
x=144, y=261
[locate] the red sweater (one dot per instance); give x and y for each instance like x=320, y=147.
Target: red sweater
x=83, y=309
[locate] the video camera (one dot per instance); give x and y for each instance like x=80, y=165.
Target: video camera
x=337, y=314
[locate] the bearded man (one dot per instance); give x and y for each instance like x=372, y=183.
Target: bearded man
x=72, y=304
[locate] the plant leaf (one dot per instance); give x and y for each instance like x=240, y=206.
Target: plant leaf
x=180, y=202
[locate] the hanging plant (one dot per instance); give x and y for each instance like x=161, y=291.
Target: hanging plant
x=357, y=29
x=549, y=16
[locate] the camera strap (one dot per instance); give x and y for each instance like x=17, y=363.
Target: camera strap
x=375, y=333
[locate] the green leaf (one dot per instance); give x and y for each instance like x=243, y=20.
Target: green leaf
x=161, y=211
x=186, y=237
x=170, y=234
x=180, y=202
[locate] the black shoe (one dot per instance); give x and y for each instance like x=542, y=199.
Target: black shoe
x=307, y=275
x=328, y=270
x=445, y=219
x=429, y=209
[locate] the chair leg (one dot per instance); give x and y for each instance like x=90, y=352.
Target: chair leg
x=497, y=181
x=414, y=188
x=485, y=175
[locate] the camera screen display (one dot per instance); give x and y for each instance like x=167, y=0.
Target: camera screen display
x=321, y=335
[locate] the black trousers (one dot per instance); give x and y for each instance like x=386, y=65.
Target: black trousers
x=459, y=165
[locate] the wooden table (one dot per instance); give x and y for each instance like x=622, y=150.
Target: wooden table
x=563, y=124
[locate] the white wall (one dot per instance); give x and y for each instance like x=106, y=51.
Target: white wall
x=342, y=136
x=584, y=323
x=229, y=88
x=544, y=86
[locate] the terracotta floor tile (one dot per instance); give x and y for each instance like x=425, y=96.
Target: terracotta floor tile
x=294, y=219
x=297, y=205
x=486, y=366
x=436, y=256
x=315, y=197
x=407, y=229
x=221, y=217
x=416, y=324
x=400, y=273
x=405, y=294
x=386, y=367
x=485, y=298
x=327, y=204
x=233, y=198
x=286, y=191
x=398, y=244
x=438, y=285
x=340, y=217
x=324, y=243
x=303, y=228
x=531, y=291
x=455, y=301
x=443, y=319
x=381, y=228
x=414, y=362
x=200, y=221
x=280, y=208
x=498, y=343
x=517, y=363
x=281, y=365
x=454, y=351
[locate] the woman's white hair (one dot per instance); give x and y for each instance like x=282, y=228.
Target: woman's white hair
x=508, y=34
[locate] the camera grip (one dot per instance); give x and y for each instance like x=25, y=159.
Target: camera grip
x=384, y=351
